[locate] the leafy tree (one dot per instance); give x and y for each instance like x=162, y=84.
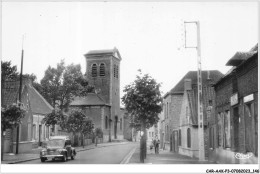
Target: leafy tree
x=61, y=84
x=52, y=82
x=8, y=72
x=143, y=101
x=79, y=123
x=56, y=117
x=11, y=117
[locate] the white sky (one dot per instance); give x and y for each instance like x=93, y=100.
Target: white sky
x=149, y=35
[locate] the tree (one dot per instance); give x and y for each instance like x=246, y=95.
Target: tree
x=56, y=117
x=61, y=84
x=79, y=123
x=8, y=72
x=143, y=102
x=11, y=117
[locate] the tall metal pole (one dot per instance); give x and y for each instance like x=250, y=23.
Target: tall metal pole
x=20, y=98
x=200, y=104
x=199, y=86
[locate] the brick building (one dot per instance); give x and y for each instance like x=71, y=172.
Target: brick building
x=103, y=72
x=32, y=132
x=180, y=111
x=234, y=127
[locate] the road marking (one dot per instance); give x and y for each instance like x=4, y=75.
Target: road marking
x=128, y=157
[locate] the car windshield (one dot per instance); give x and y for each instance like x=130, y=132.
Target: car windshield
x=55, y=143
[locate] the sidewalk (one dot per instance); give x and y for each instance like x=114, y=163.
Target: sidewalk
x=164, y=157
x=10, y=158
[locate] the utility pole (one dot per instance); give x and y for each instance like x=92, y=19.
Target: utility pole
x=20, y=98
x=199, y=86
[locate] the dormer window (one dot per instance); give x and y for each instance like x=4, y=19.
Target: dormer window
x=102, y=69
x=94, y=70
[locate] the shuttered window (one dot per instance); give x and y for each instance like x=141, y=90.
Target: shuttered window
x=94, y=70
x=102, y=69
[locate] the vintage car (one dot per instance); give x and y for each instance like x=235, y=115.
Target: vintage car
x=58, y=147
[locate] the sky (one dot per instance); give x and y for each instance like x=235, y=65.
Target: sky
x=149, y=35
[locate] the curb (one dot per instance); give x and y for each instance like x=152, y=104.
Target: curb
x=31, y=159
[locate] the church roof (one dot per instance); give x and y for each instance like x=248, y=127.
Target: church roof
x=214, y=75
x=113, y=52
x=92, y=99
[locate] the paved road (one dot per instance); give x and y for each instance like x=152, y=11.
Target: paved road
x=104, y=155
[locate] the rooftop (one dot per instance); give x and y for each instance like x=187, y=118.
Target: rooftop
x=214, y=75
x=92, y=99
x=113, y=52
x=38, y=104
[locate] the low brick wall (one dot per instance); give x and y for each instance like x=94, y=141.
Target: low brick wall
x=24, y=146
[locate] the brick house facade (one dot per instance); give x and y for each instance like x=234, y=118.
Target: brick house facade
x=32, y=132
x=234, y=127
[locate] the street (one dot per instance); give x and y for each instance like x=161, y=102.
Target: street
x=113, y=154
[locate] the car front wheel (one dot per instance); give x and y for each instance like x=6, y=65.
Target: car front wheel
x=64, y=159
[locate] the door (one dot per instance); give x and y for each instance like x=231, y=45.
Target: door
x=40, y=133
x=175, y=141
x=115, y=128
x=236, y=128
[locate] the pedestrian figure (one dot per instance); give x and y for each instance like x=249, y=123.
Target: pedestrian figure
x=96, y=140
x=157, y=146
x=154, y=145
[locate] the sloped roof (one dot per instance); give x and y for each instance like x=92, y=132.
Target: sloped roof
x=214, y=75
x=10, y=93
x=92, y=99
x=37, y=103
x=240, y=57
x=113, y=52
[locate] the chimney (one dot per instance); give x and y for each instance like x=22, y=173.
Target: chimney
x=187, y=84
x=208, y=75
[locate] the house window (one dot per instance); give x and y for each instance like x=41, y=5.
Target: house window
x=94, y=70
x=179, y=137
x=220, y=132
x=47, y=131
x=34, y=131
x=210, y=102
x=227, y=129
x=102, y=69
x=152, y=134
x=106, y=123
x=188, y=138
x=211, y=140
x=149, y=134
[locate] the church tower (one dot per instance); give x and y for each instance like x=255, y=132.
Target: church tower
x=103, y=72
